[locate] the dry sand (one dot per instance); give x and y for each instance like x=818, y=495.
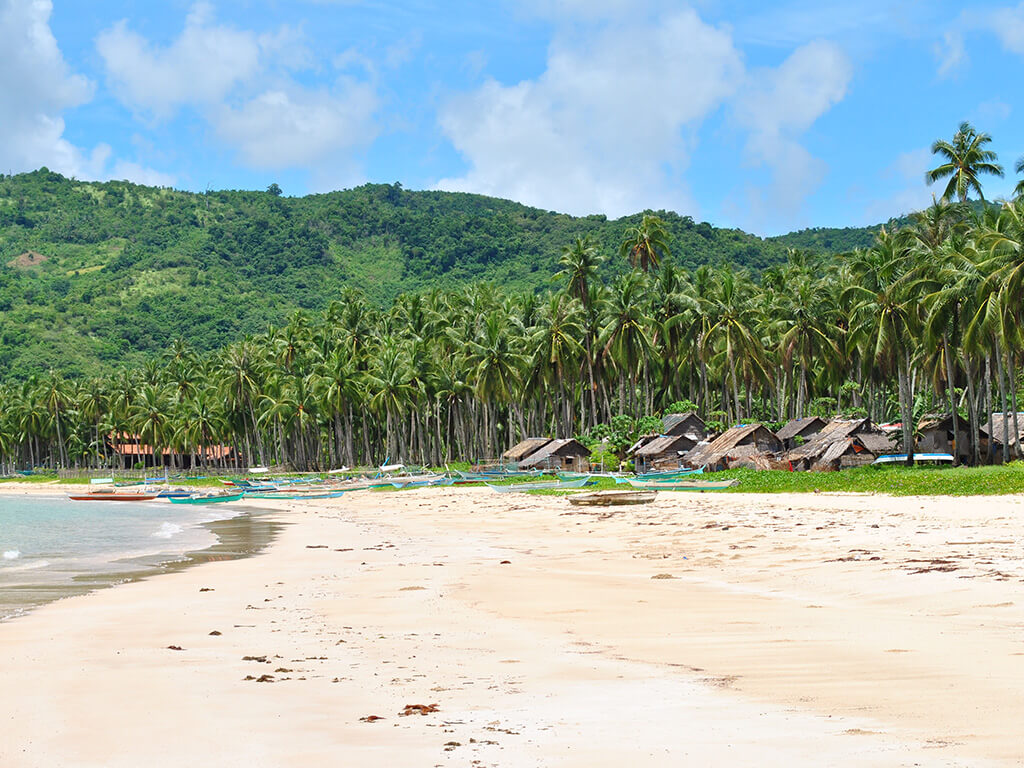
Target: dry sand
x=700, y=630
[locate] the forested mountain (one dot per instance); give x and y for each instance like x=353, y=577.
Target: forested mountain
x=94, y=275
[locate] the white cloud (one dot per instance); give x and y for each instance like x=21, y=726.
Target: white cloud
x=777, y=106
x=241, y=84
x=1008, y=26
x=36, y=86
x=605, y=127
x=128, y=171
x=292, y=126
x=200, y=66
x=951, y=52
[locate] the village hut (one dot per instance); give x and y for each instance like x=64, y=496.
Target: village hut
x=688, y=423
x=842, y=443
x=662, y=451
x=569, y=454
x=131, y=451
x=524, y=449
x=732, y=444
x=935, y=435
x=1000, y=422
x=800, y=431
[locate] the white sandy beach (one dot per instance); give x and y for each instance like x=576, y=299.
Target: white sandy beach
x=701, y=630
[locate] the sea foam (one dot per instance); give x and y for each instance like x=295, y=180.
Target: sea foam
x=11, y=554
x=168, y=531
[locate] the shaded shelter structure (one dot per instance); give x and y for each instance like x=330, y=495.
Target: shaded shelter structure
x=935, y=435
x=524, y=449
x=1002, y=428
x=131, y=451
x=840, y=444
x=662, y=451
x=804, y=429
x=568, y=454
x=689, y=424
x=742, y=442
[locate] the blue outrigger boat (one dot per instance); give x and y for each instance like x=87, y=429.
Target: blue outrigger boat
x=555, y=486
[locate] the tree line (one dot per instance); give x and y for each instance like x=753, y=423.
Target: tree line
x=927, y=319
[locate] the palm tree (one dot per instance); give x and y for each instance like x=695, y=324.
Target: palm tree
x=964, y=160
x=1018, y=167
x=646, y=245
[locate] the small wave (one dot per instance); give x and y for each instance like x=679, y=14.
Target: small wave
x=168, y=531
x=11, y=554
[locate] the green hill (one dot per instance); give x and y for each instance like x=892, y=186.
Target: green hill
x=94, y=275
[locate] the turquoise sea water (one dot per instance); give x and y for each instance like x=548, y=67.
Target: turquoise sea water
x=51, y=547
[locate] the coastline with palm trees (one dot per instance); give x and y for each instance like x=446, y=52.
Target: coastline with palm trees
x=417, y=627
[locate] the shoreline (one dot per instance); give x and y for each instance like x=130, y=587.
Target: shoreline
x=717, y=630
x=244, y=534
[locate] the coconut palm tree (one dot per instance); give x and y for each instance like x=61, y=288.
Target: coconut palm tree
x=964, y=160
x=645, y=246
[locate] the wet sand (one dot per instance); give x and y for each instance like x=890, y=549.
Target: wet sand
x=699, y=630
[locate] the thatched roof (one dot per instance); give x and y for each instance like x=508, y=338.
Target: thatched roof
x=640, y=443
x=663, y=444
x=688, y=423
x=997, y=427
x=555, y=448
x=841, y=431
x=523, y=449
x=798, y=426
x=724, y=444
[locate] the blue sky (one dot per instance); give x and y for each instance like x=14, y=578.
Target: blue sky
x=768, y=117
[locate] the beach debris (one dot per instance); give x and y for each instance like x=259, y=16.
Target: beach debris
x=215, y=633
x=316, y=546
x=450, y=745
x=418, y=709
x=175, y=648
x=663, y=576
x=410, y=589
x=260, y=659
x=505, y=562
x=370, y=719
x=284, y=670
x=261, y=678
x=206, y=589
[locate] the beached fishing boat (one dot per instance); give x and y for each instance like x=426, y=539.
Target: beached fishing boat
x=613, y=498
x=209, y=498
x=669, y=474
x=684, y=485
x=559, y=485
x=111, y=496
x=294, y=496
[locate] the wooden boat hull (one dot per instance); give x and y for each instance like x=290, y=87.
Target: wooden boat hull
x=688, y=485
x=207, y=499
x=113, y=497
x=613, y=498
x=524, y=487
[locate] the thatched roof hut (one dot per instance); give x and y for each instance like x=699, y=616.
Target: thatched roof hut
x=559, y=454
x=716, y=454
x=805, y=428
x=685, y=424
x=841, y=443
x=998, y=421
x=525, y=448
x=662, y=449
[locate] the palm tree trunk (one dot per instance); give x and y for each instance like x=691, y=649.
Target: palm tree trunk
x=1002, y=400
x=952, y=399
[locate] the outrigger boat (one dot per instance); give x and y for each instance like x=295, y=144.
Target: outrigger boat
x=112, y=496
x=556, y=486
x=684, y=485
x=209, y=498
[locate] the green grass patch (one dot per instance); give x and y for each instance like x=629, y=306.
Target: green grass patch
x=894, y=481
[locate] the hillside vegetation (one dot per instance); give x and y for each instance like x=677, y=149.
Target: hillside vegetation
x=94, y=275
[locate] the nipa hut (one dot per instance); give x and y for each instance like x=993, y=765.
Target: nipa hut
x=568, y=454
x=524, y=449
x=662, y=451
x=689, y=424
x=839, y=445
x=742, y=442
x=1001, y=422
x=935, y=435
x=799, y=431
